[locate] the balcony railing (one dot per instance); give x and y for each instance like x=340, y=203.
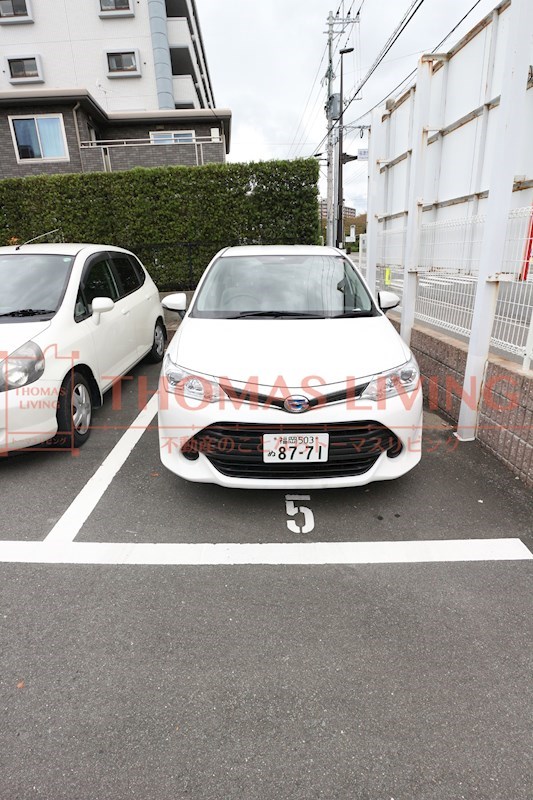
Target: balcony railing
x=119, y=154
x=196, y=140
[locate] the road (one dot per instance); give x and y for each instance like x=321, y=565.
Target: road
x=368, y=680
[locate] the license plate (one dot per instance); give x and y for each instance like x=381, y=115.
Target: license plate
x=292, y=448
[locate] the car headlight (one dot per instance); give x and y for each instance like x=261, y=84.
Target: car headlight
x=23, y=366
x=396, y=381
x=181, y=381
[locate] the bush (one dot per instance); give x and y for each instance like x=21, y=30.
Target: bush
x=175, y=218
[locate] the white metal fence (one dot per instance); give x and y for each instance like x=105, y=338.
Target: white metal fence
x=448, y=269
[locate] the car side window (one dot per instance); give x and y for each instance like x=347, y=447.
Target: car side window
x=81, y=310
x=99, y=282
x=127, y=273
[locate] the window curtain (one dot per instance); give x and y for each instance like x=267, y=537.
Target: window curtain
x=51, y=138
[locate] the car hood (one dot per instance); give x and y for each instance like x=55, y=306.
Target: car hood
x=15, y=334
x=273, y=351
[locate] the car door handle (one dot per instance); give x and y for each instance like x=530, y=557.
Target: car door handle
x=125, y=312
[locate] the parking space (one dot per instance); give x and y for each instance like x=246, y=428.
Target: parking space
x=457, y=492
x=307, y=681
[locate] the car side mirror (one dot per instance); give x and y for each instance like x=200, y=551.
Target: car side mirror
x=101, y=305
x=388, y=300
x=175, y=302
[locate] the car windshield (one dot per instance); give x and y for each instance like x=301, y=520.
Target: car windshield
x=278, y=286
x=32, y=285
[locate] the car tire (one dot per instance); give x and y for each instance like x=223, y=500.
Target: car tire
x=74, y=412
x=158, y=346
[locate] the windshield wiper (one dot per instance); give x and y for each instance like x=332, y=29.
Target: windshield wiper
x=354, y=313
x=276, y=314
x=28, y=312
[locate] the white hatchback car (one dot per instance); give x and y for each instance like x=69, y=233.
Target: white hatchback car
x=285, y=373
x=73, y=319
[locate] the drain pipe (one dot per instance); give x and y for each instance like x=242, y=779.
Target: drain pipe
x=77, y=127
x=163, y=69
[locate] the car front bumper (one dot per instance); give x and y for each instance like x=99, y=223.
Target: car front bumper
x=28, y=415
x=400, y=415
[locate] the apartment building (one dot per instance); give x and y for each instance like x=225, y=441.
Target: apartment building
x=139, y=69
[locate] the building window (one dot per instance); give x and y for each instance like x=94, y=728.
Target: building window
x=116, y=8
x=15, y=11
x=114, y=5
x=39, y=138
x=123, y=64
x=171, y=137
x=25, y=69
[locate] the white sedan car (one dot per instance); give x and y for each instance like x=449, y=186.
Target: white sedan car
x=286, y=373
x=74, y=318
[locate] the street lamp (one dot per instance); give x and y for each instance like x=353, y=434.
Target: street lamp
x=340, y=203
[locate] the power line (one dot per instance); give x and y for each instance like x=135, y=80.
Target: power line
x=408, y=16
x=309, y=98
x=413, y=72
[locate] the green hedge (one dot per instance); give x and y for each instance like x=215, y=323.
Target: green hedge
x=156, y=211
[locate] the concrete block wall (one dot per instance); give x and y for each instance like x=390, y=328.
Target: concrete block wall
x=505, y=424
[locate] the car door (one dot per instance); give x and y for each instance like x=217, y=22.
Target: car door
x=134, y=302
x=111, y=332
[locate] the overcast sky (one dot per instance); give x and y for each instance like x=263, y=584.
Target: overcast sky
x=267, y=60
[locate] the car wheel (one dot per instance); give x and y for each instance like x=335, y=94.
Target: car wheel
x=158, y=347
x=74, y=412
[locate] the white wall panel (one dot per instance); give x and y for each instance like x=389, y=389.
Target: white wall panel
x=458, y=88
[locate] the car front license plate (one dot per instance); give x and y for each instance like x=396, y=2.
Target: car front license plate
x=287, y=448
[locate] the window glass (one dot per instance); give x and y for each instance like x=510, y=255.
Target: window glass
x=13, y=8
x=171, y=137
x=81, y=310
x=32, y=282
x=127, y=274
x=40, y=137
x=27, y=138
x=23, y=68
x=322, y=285
x=121, y=62
x=99, y=282
x=114, y=5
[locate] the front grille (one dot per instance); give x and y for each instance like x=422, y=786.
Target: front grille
x=271, y=401
x=236, y=450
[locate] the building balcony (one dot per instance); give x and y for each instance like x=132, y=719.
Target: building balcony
x=113, y=155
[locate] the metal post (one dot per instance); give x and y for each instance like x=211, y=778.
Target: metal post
x=375, y=155
x=528, y=357
x=340, y=198
x=510, y=124
x=416, y=191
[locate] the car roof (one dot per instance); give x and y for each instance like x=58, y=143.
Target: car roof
x=62, y=248
x=281, y=250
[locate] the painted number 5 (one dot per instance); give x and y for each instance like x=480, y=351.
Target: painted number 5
x=292, y=505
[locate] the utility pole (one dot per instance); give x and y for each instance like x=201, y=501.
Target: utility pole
x=336, y=25
x=329, y=153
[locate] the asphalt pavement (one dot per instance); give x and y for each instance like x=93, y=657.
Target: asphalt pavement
x=368, y=681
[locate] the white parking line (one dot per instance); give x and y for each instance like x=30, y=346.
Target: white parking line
x=69, y=525
x=227, y=554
